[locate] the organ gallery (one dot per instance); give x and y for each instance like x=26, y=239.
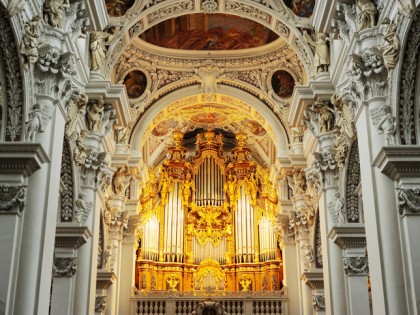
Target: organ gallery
x=208, y=220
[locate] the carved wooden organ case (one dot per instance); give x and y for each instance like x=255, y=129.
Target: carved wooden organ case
x=208, y=221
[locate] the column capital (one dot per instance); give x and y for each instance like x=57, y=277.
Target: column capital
x=356, y=266
x=104, y=279
x=64, y=266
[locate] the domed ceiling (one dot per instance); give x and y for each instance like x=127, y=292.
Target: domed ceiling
x=209, y=32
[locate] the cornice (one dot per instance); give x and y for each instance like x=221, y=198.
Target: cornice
x=104, y=279
x=350, y=235
x=397, y=162
x=21, y=158
x=111, y=93
x=67, y=235
x=313, y=279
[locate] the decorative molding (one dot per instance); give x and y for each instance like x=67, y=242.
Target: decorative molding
x=100, y=303
x=64, y=266
x=351, y=235
x=408, y=201
x=352, y=182
x=407, y=118
x=171, y=10
x=12, y=198
x=71, y=236
x=313, y=279
x=13, y=88
x=399, y=162
x=66, y=195
x=318, y=302
x=21, y=158
x=356, y=266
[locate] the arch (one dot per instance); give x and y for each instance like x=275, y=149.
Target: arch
x=11, y=117
x=280, y=133
x=406, y=109
x=274, y=15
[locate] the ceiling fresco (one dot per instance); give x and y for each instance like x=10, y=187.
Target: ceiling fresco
x=209, y=32
x=118, y=7
x=301, y=8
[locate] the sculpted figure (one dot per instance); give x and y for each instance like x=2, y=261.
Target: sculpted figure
x=30, y=43
x=80, y=152
x=339, y=208
x=321, y=50
x=366, y=12
x=95, y=114
x=387, y=125
x=121, y=180
x=391, y=44
x=187, y=189
x=34, y=124
x=53, y=12
x=99, y=41
x=80, y=207
x=121, y=134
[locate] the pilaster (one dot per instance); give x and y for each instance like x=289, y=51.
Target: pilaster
x=402, y=165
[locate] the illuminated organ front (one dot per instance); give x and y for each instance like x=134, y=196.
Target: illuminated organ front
x=207, y=221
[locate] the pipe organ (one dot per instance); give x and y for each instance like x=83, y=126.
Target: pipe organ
x=207, y=220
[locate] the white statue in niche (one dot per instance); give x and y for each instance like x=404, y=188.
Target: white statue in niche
x=34, y=124
x=388, y=125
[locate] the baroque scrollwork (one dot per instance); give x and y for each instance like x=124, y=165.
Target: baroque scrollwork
x=64, y=266
x=408, y=201
x=356, y=266
x=100, y=303
x=318, y=302
x=12, y=198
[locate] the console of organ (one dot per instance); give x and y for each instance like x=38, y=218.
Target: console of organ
x=211, y=208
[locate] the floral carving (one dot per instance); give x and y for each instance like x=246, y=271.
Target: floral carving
x=67, y=179
x=13, y=86
x=170, y=10
x=356, y=266
x=408, y=201
x=64, y=266
x=408, y=78
x=12, y=198
x=353, y=180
